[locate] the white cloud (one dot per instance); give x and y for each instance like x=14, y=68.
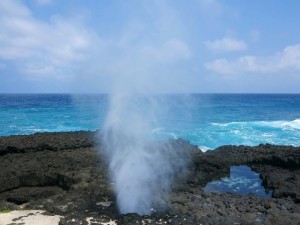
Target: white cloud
x=226, y=45
x=11, y=8
x=70, y=51
x=55, y=44
x=286, y=60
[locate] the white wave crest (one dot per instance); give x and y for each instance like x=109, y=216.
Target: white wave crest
x=282, y=124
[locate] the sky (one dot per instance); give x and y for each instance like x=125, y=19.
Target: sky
x=162, y=46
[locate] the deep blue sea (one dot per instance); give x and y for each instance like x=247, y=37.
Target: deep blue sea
x=207, y=120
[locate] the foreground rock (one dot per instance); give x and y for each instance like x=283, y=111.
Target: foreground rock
x=65, y=174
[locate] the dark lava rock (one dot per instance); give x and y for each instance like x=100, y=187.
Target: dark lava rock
x=64, y=173
x=279, y=166
x=46, y=141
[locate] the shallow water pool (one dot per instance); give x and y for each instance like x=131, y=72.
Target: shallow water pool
x=242, y=181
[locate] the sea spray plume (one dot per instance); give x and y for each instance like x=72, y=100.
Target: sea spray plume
x=140, y=61
x=139, y=169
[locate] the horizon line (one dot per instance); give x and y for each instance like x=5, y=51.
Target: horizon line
x=167, y=93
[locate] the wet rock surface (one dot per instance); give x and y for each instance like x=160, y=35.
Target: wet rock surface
x=66, y=174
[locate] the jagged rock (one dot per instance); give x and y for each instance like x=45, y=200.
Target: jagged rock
x=65, y=173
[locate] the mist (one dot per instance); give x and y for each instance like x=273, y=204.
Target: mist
x=140, y=64
x=141, y=168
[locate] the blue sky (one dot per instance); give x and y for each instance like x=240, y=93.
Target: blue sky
x=172, y=46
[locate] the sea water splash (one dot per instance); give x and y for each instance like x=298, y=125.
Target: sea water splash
x=140, y=168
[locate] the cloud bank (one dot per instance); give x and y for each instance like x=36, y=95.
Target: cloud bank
x=39, y=47
x=288, y=60
x=63, y=46
x=66, y=48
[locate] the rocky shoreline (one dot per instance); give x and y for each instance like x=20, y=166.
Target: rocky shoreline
x=65, y=174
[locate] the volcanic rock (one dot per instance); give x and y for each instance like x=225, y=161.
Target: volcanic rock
x=66, y=174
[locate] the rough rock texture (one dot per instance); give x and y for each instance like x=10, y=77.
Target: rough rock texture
x=279, y=166
x=46, y=141
x=65, y=174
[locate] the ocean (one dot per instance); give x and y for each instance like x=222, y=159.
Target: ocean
x=206, y=120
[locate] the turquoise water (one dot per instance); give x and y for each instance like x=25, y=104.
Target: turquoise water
x=207, y=120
